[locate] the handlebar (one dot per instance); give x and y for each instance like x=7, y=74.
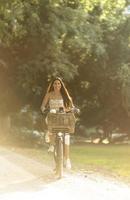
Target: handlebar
x=72, y=110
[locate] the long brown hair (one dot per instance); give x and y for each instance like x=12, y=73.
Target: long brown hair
x=64, y=92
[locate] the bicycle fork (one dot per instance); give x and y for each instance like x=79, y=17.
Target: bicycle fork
x=58, y=154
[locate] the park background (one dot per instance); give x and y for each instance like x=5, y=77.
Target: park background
x=87, y=43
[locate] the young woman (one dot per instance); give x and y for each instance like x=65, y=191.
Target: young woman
x=57, y=97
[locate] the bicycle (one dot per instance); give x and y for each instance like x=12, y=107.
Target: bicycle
x=60, y=124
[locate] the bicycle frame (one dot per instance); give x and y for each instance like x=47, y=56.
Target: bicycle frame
x=60, y=124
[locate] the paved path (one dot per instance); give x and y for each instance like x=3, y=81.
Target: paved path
x=25, y=179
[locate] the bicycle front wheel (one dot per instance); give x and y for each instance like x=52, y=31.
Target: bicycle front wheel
x=59, y=157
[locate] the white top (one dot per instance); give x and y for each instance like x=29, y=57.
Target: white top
x=56, y=103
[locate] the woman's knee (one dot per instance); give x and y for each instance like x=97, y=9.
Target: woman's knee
x=67, y=139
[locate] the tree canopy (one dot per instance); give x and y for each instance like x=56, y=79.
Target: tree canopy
x=87, y=42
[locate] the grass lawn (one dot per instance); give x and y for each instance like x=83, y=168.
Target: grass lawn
x=111, y=159
x=105, y=159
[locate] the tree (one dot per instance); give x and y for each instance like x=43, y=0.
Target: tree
x=75, y=39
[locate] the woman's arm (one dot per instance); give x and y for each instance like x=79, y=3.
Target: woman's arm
x=45, y=101
x=70, y=107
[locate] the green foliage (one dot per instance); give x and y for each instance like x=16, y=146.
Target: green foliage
x=84, y=41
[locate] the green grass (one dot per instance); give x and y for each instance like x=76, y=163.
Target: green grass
x=113, y=159
x=106, y=159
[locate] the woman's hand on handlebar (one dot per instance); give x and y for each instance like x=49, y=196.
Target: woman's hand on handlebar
x=44, y=110
x=73, y=110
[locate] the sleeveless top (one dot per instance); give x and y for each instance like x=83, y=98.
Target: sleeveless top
x=56, y=103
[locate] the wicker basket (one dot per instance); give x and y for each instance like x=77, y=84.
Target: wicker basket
x=61, y=122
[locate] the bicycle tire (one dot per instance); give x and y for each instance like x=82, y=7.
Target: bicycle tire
x=58, y=156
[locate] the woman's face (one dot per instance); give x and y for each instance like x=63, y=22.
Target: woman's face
x=57, y=85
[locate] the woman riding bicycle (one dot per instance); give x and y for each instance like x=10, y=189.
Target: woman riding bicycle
x=56, y=98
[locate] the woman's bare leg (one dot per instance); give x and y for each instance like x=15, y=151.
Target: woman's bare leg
x=51, y=142
x=52, y=139
x=67, y=151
